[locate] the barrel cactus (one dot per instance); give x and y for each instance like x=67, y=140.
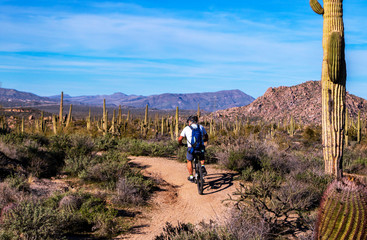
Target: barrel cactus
x=343, y=212
x=333, y=81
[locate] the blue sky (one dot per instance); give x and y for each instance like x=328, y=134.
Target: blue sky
x=152, y=47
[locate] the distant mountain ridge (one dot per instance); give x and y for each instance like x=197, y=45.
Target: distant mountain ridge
x=302, y=101
x=12, y=97
x=209, y=101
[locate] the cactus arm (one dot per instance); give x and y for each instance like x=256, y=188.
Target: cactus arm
x=316, y=7
x=336, y=62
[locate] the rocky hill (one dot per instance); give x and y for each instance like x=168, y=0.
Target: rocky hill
x=302, y=101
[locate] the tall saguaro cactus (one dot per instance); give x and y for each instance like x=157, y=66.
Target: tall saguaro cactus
x=61, y=108
x=333, y=84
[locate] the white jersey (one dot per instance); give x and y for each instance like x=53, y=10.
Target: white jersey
x=187, y=133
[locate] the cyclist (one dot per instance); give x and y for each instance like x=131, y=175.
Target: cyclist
x=187, y=133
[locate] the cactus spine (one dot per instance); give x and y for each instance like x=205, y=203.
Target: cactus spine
x=333, y=84
x=343, y=212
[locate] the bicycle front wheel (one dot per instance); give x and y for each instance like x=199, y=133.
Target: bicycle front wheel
x=200, y=178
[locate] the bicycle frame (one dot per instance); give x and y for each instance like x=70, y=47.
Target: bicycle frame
x=198, y=175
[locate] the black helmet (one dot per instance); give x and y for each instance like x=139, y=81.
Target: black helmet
x=193, y=119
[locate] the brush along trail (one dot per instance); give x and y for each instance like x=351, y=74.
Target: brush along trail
x=178, y=199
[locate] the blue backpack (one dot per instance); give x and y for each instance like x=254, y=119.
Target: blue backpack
x=197, y=144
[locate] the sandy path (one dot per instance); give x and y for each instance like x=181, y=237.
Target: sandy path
x=179, y=199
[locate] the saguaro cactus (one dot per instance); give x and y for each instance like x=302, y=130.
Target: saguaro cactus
x=346, y=128
x=104, y=118
x=198, y=113
x=176, y=122
x=88, y=120
x=343, y=212
x=333, y=84
x=69, y=118
x=146, y=117
x=61, y=108
x=359, y=128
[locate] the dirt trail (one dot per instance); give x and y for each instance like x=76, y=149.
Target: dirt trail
x=179, y=199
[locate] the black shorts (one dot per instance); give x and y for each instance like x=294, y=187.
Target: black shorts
x=190, y=156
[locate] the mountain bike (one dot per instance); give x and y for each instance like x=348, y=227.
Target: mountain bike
x=198, y=172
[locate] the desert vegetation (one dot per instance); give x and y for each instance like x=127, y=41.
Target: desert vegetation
x=280, y=167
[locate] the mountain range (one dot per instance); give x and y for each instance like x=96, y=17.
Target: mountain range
x=210, y=101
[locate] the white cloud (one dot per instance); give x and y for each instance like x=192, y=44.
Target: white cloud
x=148, y=44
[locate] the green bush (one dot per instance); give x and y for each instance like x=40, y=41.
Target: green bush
x=30, y=220
x=106, y=169
x=184, y=231
x=138, y=147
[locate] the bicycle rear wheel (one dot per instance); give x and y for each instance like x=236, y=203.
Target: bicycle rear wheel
x=200, y=178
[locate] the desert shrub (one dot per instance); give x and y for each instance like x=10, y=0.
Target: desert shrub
x=311, y=136
x=106, y=169
x=181, y=154
x=276, y=199
x=30, y=220
x=105, y=142
x=184, y=231
x=355, y=159
x=127, y=192
x=143, y=185
x=41, y=163
x=19, y=182
x=244, y=155
x=94, y=211
x=78, y=153
x=137, y=147
x=83, y=212
x=9, y=195
x=31, y=152
x=245, y=223
x=242, y=159
x=20, y=138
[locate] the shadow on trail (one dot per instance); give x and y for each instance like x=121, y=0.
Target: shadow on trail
x=218, y=182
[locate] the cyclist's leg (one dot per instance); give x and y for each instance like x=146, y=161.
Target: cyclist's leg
x=189, y=158
x=189, y=166
x=202, y=158
x=202, y=161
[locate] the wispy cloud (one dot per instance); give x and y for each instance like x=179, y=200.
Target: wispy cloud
x=133, y=44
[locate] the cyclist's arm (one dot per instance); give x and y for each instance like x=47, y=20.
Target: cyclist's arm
x=205, y=137
x=180, y=140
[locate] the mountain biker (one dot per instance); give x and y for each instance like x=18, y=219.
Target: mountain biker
x=187, y=133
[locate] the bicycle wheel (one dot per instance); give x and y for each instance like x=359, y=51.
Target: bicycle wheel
x=200, y=179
